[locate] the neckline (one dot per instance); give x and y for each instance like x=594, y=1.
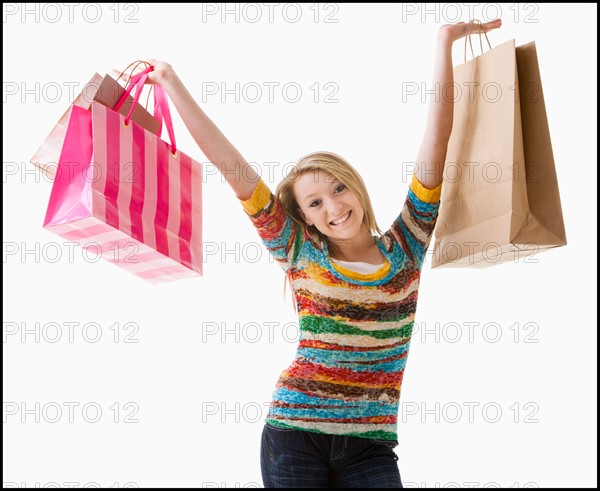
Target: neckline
x=356, y=262
x=352, y=276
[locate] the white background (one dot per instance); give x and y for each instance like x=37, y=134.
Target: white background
x=205, y=363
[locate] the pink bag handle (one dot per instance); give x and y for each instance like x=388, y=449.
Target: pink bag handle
x=161, y=105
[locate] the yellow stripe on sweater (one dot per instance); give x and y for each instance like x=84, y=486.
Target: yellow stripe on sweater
x=425, y=194
x=259, y=199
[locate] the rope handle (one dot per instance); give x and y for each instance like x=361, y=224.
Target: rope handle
x=480, y=41
x=137, y=63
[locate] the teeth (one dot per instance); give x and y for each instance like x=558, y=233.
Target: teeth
x=341, y=220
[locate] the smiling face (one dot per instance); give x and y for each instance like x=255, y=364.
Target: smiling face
x=328, y=204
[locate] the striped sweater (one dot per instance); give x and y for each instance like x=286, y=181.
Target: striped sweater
x=355, y=328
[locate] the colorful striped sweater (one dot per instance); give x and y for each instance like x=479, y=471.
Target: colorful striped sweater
x=355, y=329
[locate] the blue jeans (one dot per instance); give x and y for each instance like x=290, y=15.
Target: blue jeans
x=302, y=459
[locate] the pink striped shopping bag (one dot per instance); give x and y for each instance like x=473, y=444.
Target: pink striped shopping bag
x=105, y=90
x=125, y=194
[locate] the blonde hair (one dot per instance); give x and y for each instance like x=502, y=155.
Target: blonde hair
x=339, y=168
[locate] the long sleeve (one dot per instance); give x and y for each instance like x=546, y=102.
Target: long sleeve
x=281, y=236
x=413, y=228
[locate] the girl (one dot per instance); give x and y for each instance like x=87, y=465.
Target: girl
x=332, y=421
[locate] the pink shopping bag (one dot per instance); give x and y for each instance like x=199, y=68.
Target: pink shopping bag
x=46, y=156
x=125, y=194
x=105, y=90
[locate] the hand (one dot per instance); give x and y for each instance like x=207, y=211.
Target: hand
x=160, y=72
x=156, y=76
x=452, y=32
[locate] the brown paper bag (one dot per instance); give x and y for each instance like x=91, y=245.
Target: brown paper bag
x=500, y=200
x=106, y=91
x=109, y=93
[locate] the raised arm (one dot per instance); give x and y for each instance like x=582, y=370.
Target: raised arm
x=213, y=143
x=432, y=153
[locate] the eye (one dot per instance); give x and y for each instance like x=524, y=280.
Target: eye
x=315, y=201
x=343, y=186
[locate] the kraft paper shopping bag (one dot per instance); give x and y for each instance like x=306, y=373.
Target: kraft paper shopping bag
x=500, y=198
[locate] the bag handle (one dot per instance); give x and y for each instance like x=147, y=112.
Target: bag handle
x=480, y=42
x=137, y=63
x=161, y=105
